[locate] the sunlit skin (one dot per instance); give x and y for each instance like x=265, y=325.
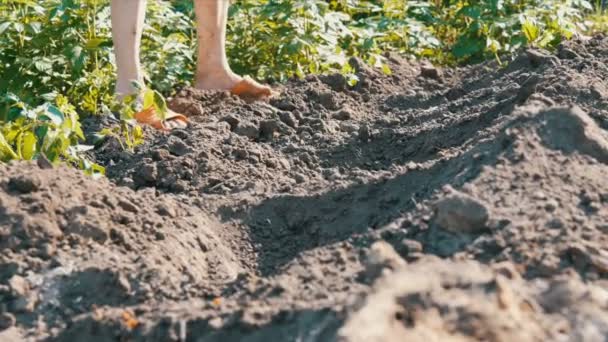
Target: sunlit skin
x=212, y=68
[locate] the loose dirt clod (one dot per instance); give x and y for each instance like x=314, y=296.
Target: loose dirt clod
x=381, y=258
x=24, y=184
x=459, y=212
x=571, y=129
x=291, y=220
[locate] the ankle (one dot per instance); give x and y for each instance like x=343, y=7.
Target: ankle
x=123, y=88
x=218, y=79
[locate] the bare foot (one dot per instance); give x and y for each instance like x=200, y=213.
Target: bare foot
x=220, y=80
x=245, y=87
x=148, y=116
x=172, y=121
x=175, y=121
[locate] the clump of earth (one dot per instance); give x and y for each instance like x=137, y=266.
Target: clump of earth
x=454, y=204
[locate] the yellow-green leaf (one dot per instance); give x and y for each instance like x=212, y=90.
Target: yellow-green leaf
x=160, y=105
x=6, y=151
x=530, y=30
x=28, y=145
x=148, y=98
x=138, y=135
x=386, y=69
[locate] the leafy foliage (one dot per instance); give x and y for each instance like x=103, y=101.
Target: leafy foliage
x=49, y=130
x=56, y=55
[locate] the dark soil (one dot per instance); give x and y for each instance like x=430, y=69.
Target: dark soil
x=464, y=204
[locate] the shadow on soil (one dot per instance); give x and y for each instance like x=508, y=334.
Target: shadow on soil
x=284, y=226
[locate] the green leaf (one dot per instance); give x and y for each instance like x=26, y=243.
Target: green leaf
x=137, y=85
x=160, y=104
x=96, y=43
x=471, y=11
x=28, y=145
x=54, y=114
x=92, y=169
x=49, y=96
x=148, y=98
x=4, y=26
x=530, y=30
x=352, y=79
x=386, y=69
x=6, y=151
x=138, y=135
x=154, y=99
x=34, y=27
x=466, y=47
x=76, y=57
x=41, y=131
x=18, y=27
x=43, y=65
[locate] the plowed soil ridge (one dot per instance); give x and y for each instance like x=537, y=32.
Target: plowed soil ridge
x=464, y=204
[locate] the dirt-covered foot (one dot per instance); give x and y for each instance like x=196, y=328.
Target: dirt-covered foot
x=172, y=120
x=245, y=87
x=217, y=80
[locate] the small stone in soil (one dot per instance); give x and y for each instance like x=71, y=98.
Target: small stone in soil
x=459, y=212
x=232, y=120
x=539, y=195
x=411, y=246
x=430, y=71
x=551, y=205
x=271, y=163
x=43, y=162
x=160, y=154
x=343, y=114
x=166, y=210
x=149, y=172
x=299, y=178
x=127, y=206
x=412, y=166
x=158, y=235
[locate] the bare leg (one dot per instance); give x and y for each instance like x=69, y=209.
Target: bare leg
x=127, y=26
x=212, y=69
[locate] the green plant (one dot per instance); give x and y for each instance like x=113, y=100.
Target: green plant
x=60, y=51
x=50, y=130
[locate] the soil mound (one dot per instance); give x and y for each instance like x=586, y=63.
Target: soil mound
x=440, y=300
x=464, y=204
x=70, y=243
